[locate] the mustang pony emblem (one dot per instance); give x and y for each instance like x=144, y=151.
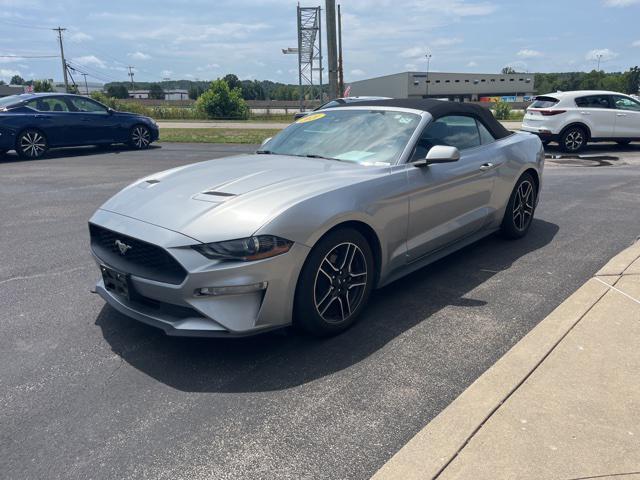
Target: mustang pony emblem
x=123, y=247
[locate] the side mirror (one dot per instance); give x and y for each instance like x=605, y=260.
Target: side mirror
x=110, y=111
x=265, y=141
x=439, y=154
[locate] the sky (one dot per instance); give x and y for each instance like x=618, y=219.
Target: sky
x=204, y=40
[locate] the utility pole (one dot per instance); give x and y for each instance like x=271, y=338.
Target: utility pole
x=599, y=58
x=86, y=86
x=428, y=57
x=332, y=48
x=340, y=65
x=64, y=62
x=130, y=67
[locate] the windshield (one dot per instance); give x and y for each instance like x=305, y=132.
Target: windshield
x=353, y=135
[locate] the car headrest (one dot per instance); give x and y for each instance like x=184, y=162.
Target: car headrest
x=57, y=107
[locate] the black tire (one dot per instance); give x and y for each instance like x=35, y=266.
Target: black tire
x=520, y=209
x=335, y=283
x=573, y=139
x=31, y=144
x=623, y=143
x=139, y=137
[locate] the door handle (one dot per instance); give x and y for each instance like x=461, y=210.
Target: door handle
x=43, y=116
x=486, y=166
x=621, y=114
x=585, y=113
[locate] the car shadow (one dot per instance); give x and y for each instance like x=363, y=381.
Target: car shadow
x=73, y=152
x=605, y=148
x=284, y=359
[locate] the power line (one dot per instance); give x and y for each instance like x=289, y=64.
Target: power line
x=29, y=56
x=21, y=25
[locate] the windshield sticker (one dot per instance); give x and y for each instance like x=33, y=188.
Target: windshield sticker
x=311, y=118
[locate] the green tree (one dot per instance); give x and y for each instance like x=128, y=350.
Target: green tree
x=118, y=91
x=42, y=86
x=195, y=91
x=220, y=101
x=508, y=70
x=503, y=111
x=2, y=82
x=631, y=81
x=156, y=92
x=233, y=81
x=16, y=80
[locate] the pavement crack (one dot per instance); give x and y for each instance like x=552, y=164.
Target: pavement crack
x=41, y=275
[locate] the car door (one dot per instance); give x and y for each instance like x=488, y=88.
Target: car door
x=598, y=114
x=97, y=124
x=450, y=201
x=51, y=115
x=627, y=117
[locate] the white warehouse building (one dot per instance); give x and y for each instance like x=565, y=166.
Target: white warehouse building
x=462, y=87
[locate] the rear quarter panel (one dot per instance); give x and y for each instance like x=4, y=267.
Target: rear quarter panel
x=521, y=152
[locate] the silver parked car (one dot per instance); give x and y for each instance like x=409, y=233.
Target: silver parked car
x=339, y=203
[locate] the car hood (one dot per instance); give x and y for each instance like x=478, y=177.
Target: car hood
x=231, y=197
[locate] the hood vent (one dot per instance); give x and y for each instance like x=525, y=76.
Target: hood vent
x=219, y=194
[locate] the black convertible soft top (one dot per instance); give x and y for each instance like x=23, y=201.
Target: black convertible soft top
x=441, y=108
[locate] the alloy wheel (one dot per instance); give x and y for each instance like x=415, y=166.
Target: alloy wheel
x=574, y=140
x=32, y=144
x=340, y=283
x=140, y=137
x=523, y=205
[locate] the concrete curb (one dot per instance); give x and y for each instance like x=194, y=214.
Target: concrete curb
x=432, y=449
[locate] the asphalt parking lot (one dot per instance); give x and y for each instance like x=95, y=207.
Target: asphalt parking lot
x=87, y=393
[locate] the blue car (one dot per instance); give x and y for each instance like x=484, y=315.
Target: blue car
x=32, y=123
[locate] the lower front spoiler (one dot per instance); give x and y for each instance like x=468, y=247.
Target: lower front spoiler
x=173, y=324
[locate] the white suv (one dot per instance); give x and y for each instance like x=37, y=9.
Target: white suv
x=574, y=118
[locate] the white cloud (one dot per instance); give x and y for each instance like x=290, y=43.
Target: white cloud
x=529, y=53
x=620, y=3
x=138, y=56
x=78, y=37
x=208, y=67
x=446, y=42
x=411, y=67
x=636, y=43
x=604, y=53
x=414, y=52
x=6, y=74
x=166, y=73
x=472, y=64
x=356, y=72
x=90, y=60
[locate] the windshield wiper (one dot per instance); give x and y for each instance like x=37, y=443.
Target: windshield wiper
x=313, y=155
x=264, y=152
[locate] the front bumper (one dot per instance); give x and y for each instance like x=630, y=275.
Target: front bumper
x=178, y=311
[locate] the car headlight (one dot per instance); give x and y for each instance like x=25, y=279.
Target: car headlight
x=245, y=249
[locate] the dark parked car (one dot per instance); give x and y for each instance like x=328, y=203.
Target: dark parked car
x=32, y=123
x=337, y=102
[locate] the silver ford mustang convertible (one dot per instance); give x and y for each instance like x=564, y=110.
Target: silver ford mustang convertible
x=339, y=203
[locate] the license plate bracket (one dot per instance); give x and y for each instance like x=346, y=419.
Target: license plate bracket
x=115, y=281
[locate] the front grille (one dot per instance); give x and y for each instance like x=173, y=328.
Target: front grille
x=142, y=259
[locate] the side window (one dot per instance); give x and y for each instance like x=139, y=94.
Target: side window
x=86, y=105
x=625, y=103
x=453, y=131
x=485, y=135
x=48, y=104
x=593, y=101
